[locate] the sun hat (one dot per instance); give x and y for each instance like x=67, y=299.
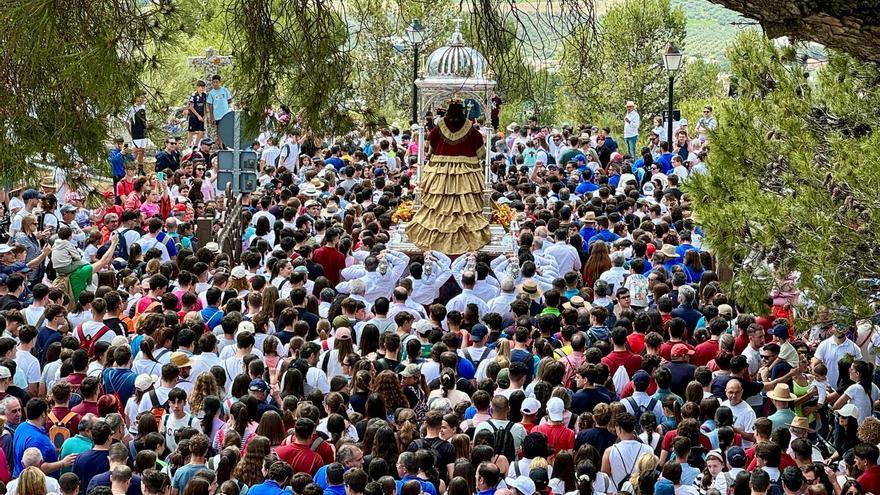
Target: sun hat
x=668, y=250
x=781, y=393
x=309, y=190
x=577, y=302
x=143, y=382
x=181, y=360
x=213, y=247
x=802, y=423
x=531, y=289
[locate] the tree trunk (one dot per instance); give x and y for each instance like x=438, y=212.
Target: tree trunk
x=851, y=26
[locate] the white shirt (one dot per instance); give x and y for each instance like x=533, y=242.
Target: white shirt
x=376, y=284
x=316, y=378
x=397, y=307
x=623, y=456
x=459, y=303
x=830, y=353
x=29, y=365
x=631, y=128
x=643, y=400
x=566, y=255
x=52, y=486
x=753, y=358
x=203, y=363
x=860, y=399
x=269, y=155
x=263, y=213
x=501, y=304
x=91, y=328
x=615, y=276
x=743, y=418
x=32, y=314
x=148, y=242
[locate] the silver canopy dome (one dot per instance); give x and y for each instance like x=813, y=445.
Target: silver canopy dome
x=455, y=60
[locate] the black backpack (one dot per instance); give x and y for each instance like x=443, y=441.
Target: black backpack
x=639, y=410
x=122, y=246
x=504, y=443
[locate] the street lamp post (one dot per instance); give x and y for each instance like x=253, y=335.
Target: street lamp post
x=415, y=33
x=672, y=61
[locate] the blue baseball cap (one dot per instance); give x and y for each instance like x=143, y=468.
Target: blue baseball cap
x=664, y=487
x=258, y=385
x=479, y=332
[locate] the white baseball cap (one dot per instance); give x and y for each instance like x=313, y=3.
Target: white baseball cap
x=531, y=406
x=555, y=409
x=522, y=483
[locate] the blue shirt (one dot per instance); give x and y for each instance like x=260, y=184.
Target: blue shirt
x=28, y=435
x=187, y=472
x=605, y=236
x=103, y=479
x=268, y=487
x=117, y=162
x=427, y=487
x=89, y=464
x=585, y=187
x=466, y=369
x=120, y=381
x=219, y=98
x=665, y=163
x=336, y=162
x=212, y=316
x=45, y=338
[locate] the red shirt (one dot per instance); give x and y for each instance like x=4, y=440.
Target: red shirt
x=669, y=438
x=301, y=458
x=559, y=437
x=870, y=480
x=59, y=413
x=740, y=342
x=528, y=427
x=705, y=352
x=666, y=349
x=632, y=362
x=636, y=342
x=784, y=461
x=331, y=260
x=85, y=407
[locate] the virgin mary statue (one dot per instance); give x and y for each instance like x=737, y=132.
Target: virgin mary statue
x=450, y=220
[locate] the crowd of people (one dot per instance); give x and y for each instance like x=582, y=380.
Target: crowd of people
x=602, y=356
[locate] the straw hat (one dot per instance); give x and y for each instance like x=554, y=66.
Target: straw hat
x=531, y=289
x=668, y=250
x=577, y=302
x=781, y=393
x=802, y=423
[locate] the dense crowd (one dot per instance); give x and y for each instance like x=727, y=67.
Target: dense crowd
x=602, y=356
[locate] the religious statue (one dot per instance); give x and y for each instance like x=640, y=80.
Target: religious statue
x=451, y=220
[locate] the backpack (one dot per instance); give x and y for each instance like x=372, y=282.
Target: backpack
x=504, y=440
x=639, y=410
x=467, y=355
x=422, y=443
x=59, y=432
x=421, y=407
x=86, y=342
x=159, y=409
x=122, y=246
x=776, y=487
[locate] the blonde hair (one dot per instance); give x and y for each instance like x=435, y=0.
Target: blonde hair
x=645, y=463
x=539, y=462
x=204, y=386
x=502, y=350
x=193, y=318
x=32, y=481
x=27, y=221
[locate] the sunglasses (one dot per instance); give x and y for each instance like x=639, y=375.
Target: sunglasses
x=765, y=357
x=201, y=169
